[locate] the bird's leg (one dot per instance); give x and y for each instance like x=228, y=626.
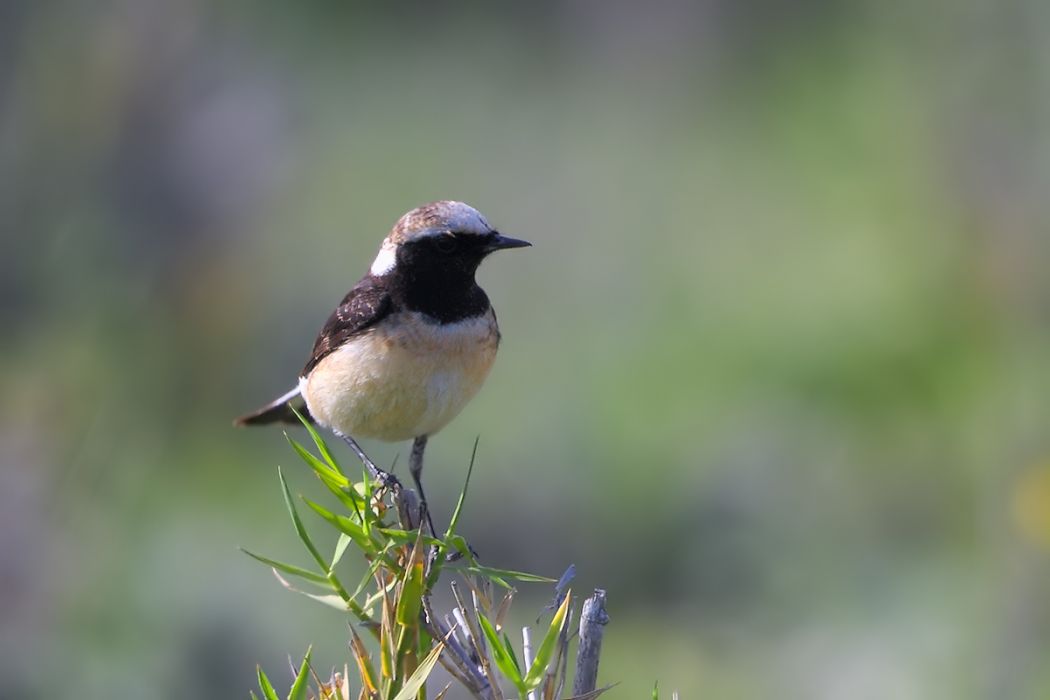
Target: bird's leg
x=415, y=466
x=384, y=478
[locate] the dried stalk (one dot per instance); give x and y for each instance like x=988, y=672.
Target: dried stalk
x=526, y=646
x=593, y=619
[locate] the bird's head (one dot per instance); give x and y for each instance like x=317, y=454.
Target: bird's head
x=439, y=238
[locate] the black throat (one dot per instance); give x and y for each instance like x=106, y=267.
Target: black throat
x=439, y=298
x=447, y=293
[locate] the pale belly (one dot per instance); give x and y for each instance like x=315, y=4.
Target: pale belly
x=406, y=379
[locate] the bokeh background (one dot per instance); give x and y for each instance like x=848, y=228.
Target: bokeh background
x=776, y=372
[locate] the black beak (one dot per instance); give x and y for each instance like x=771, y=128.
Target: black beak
x=498, y=241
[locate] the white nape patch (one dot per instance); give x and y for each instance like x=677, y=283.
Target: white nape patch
x=385, y=261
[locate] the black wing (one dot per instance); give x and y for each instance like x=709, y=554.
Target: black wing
x=363, y=306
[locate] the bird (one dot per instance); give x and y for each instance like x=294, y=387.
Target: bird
x=409, y=345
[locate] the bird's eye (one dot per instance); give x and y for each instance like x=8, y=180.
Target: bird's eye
x=445, y=243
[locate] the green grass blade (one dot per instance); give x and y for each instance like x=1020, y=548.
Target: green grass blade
x=367, y=578
x=419, y=676
x=264, y=685
x=298, y=524
x=322, y=446
x=365, y=669
x=504, y=659
x=339, y=601
x=410, y=597
x=493, y=573
x=332, y=601
x=322, y=469
x=369, y=517
x=462, y=494
x=298, y=691
x=340, y=549
x=546, y=650
x=510, y=650
x=291, y=569
x=350, y=498
x=346, y=526
x=407, y=536
x=448, y=540
x=335, y=482
x=378, y=596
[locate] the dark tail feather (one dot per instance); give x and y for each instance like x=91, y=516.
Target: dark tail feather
x=277, y=411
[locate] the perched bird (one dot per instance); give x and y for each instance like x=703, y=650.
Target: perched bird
x=410, y=344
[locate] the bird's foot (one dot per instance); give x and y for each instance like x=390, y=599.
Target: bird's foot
x=382, y=477
x=386, y=480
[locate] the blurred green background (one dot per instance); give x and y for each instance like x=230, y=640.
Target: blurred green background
x=776, y=372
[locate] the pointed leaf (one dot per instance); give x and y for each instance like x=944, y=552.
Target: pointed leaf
x=407, y=536
x=546, y=650
x=316, y=464
x=367, y=514
x=419, y=676
x=352, y=501
x=373, y=567
x=264, y=685
x=410, y=597
x=298, y=691
x=344, y=525
x=387, y=642
x=380, y=595
x=503, y=659
x=510, y=650
x=364, y=662
x=503, y=608
x=499, y=576
x=335, y=482
x=444, y=546
x=322, y=446
x=298, y=524
x=462, y=494
x=332, y=601
x=291, y=569
x=340, y=548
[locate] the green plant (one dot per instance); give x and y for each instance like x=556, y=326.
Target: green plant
x=391, y=602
